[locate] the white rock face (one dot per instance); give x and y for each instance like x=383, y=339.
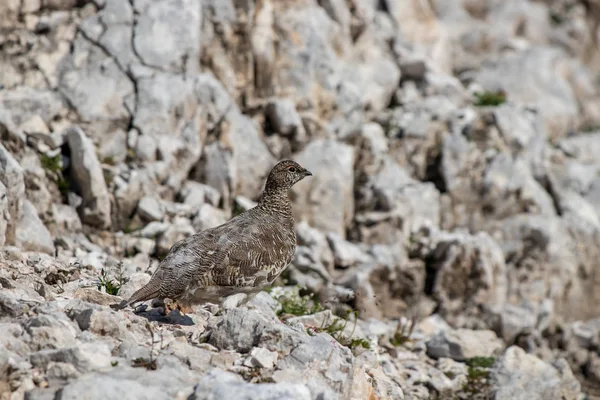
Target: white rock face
x=325, y=200
x=87, y=174
x=462, y=344
x=31, y=233
x=518, y=375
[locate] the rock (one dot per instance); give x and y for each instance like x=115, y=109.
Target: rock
x=317, y=243
x=218, y=170
x=150, y=209
x=242, y=329
x=285, y=120
x=458, y=257
x=552, y=92
x=196, y=194
x=462, y=344
x=103, y=387
x=345, y=254
x=31, y=234
x=88, y=69
x=199, y=359
x=234, y=301
x=221, y=384
x=264, y=302
x=95, y=296
x=66, y=218
x=88, y=176
x=325, y=201
x=84, y=357
x=321, y=378
x=208, y=217
x=167, y=34
x=516, y=321
x=135, y=282
x=244, y=203
x=26, y=103
x=251, y=158
x=180, y=230
x=4, y=215
x=50, y=331
x=392, y=189
x=11, y=176
x=517, y=375
x=261, y=357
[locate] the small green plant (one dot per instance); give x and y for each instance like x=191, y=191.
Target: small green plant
x=130, y=157
x=111, y=286
x=298, y=305
x=478, y=375
x=114, y=363
x=237, y=209
x=403, y=332
x=488, y=98
x=556, y=18
x=360, y=342
x=336, y=330
x=109, y=160
x=53, y=166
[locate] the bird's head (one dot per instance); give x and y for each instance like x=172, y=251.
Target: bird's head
x=285, y=174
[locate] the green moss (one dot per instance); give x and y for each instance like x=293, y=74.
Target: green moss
x=488, y=98
x=481, y=362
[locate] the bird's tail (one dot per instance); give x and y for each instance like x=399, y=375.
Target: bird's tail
x=147, y=292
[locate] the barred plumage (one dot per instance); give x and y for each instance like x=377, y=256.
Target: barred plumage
x=244, y=254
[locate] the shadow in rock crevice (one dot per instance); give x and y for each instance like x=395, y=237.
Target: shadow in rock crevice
x=157, y=315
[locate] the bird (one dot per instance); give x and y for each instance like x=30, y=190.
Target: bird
x=243, y=255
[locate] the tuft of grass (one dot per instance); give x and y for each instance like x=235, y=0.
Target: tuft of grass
x=488, y=98
x=147, y=363
x=52, y=164
x=338, y=326
x=403, y=332
x=111, y=286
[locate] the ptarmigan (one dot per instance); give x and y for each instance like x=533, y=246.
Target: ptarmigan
x=243, y=255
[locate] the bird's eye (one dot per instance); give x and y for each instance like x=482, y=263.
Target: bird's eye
x=292, y=169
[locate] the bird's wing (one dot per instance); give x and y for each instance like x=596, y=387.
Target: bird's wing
x=255, y=253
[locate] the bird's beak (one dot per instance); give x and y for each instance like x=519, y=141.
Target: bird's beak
x=307, y=173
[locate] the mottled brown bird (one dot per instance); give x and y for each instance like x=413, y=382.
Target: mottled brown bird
x=243, y=255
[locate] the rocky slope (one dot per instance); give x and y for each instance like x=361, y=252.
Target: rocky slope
x=448, y=240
